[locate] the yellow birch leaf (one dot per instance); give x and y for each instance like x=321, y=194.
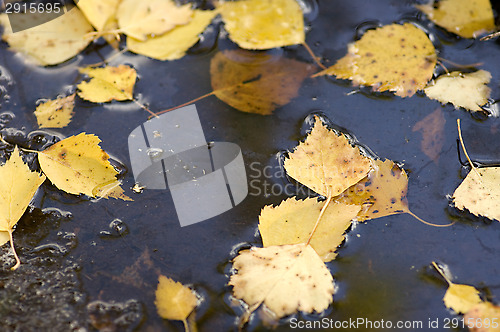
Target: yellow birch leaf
x=108, y=83
x=4, y=238
x=326, y=162
x=101, y=14
x=286, y=279
x=173, y=44
x=480, y=192
x=462, y=90
x=461, y=298
x=18, y=185
x=382, y=193
x=55, y=113
x=395, y=57
x=466, y=18
x=292, y=221
x=53, y=42
x=256, y=82
x=77, y=165
x=483, y=317
x=263, y=24
x=174, y=300
x=140, y=19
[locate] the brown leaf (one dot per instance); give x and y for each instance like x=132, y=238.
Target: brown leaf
x=432, y=129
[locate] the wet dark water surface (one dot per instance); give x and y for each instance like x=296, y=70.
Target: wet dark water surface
x=82, y=268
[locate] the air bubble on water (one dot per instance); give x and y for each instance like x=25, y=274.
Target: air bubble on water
x=310, y=9
x=154, y=152
x=116, y=228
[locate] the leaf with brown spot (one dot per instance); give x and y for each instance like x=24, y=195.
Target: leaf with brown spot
x=483, y=317
x=55, y=113
x=395, y=57
x=291, y=222
x=108, y=83
x=78, y=165
x=432, y=129
x=286, y=279
x=326, y=162
x=466, y=18
x=256, y=82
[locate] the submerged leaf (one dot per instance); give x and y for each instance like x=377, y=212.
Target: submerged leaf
x=256, y=82
x=327, y=163
x=173, y=44
x=55, y=113
x=395, y=57
x=77, y=165
x=432, y=129
x=292, y=221
x=53, y=42
x=466, y=18
x=286, y=279
x=141, y=19
x=108, y=83
x=263, y=24
x=462, y=90
x=174, y=300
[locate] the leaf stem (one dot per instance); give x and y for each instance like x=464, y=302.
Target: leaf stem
x=465, y=151
x=428, y=223
x=329, y=199
x=145, y=108
x=186, y=325
x=185, y=104
x=472, y=65
x=311, y=53
x=18, y=261
x=441, y=272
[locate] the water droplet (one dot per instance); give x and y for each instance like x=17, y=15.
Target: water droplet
x=116, y=228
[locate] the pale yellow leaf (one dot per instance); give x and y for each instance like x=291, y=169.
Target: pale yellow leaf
x=141, y=19
x=98, y=12
x=263, y=24
x=480, y=193
x=174, y=300
x=77, y=165
x=462, y=90
x=55, y=113
x=326, y=162
x=461, y=298
x=4, y=238
x=173, y=44
x=292, y=221
x=395, y=57
x=53, y=42
x=256, y=82
x=466, y=18
x=108, y=83
x=286, y=279
x=483, y=317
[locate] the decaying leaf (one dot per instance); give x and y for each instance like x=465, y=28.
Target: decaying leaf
x=395, y=57
x=77, y=165
x=141, y=19
x=466, y=18
x=18, y=185
x=53, y=42
x=382, y=193
x=432, y=129
x=462, y=90
x=256, y=82
x=483, y=317
x=285, y=278
x=292, y=221
x=263, y=24
x=326, y=162
x=173, y=44
x=55, y=113
x=174, y=300
x=108, y=83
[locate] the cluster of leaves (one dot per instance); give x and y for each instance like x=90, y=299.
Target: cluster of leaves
x=76, y=165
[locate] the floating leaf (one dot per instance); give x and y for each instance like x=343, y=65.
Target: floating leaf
x=173, y=44
x=263, y=24
x=174, y=300
x=462, y=90
x=483, y=317
x=108, y=83
x=18, y=185
x=53, y=42
x=256, y=82
x=285, y=278
x=292, y=221
x=432, y=129
x=141, y=19
x=466, y=18
x=55, y=113
x=101, y=14
x=398, y=58
x=326, y=162
x=77, y=165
